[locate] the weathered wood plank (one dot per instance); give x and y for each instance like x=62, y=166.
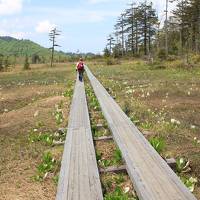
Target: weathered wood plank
x=79, y=176
x=114, y=169
x=152, y=178
x=117, y=169
x=103, y=138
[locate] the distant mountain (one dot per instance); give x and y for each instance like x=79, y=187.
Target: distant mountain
x=13, y=46
x=89, y=54
x=10, y=46
x=7, y=38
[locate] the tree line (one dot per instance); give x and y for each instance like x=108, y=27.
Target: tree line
x=138, y=30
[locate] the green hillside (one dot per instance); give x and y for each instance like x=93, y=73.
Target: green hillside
x=13, y=47
x=20, y=48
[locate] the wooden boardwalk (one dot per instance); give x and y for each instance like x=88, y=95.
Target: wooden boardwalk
x=79, y=177
x=152, y=178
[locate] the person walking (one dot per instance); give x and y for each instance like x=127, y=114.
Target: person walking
x=80, y=69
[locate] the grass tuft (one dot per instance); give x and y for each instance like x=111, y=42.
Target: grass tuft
x=158, y=144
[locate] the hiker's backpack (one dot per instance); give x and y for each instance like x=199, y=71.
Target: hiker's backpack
x=80, y=66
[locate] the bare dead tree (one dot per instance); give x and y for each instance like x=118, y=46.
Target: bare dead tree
x=52, y=37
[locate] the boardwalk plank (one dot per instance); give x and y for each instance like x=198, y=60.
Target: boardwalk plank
x=152, y=178
x=79, y=177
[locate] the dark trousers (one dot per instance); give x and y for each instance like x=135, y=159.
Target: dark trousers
x=80, y=73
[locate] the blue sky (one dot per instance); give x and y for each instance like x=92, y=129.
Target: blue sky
x=85, y=24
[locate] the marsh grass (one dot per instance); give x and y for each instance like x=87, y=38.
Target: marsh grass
x=118, y=194
x=117, y=186
x=162, y=101
x=48, y=165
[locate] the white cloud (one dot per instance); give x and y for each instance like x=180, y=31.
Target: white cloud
x=76, y=16
x=88, y=16
x=80, y=16
x=44, y=26
x=10, y=7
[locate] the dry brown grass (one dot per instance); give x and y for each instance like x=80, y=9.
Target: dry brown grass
x=19, y=101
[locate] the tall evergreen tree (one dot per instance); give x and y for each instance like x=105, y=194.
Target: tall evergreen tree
x=110, y=42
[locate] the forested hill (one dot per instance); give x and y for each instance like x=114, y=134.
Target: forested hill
x=12, y=46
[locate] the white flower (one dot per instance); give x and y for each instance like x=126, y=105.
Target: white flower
x=192, y=126
x=129, y=92
x=36, y=113
x=174, y=121
x=195, y=138
x=126, y=189
x=35, y=129
x=46, y=174
x=56, y=134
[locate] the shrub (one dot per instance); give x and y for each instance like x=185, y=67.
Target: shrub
x=26, y=64
x=109, y=61
x=162, y=54
x=112, y=61
x=6, y=63
x=195, y=59
x=171, y=58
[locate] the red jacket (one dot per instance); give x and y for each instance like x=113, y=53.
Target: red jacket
x=80, y=66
